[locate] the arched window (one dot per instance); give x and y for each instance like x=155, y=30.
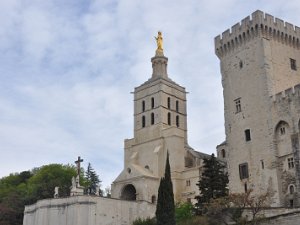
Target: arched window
x=152, y=118
x=177, y=121
x=291, y=189
x=177, y=106
x=143, y=106
x=153, y=199
x=169, y=102
x=223, y=153
x=169, y=118
x=282, y=138
x=143, y=121
x=152, y=103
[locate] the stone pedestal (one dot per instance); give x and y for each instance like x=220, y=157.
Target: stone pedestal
x=76, y=191
x=159, y=66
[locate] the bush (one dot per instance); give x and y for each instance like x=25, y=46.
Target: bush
x=183, y=211
x=147, y=221
x=195, y=220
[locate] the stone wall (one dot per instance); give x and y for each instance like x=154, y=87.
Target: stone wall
x=86, y=210
x=286, y=219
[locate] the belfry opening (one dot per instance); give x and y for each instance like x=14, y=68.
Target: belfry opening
x=128, y=192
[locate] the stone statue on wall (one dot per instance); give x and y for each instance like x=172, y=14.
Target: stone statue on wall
x=73, y=182
x=56, y=195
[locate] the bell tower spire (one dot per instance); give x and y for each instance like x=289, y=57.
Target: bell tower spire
x=159, y=103
x=159, y=61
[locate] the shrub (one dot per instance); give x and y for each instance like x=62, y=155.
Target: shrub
x=183, y=211
x=195, y=220
x=147, y=221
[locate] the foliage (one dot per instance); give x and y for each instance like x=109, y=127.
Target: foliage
x=19, y=189
x=195, y=220
x=46, y=178
x=92, y=181
x=165, y=208
x=213, y=182
x=183, y=211
x=13, y=195
x=232, y=207
x=147, y=221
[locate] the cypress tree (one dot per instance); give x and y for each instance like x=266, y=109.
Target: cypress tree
x=165, y=209
x=213, y=182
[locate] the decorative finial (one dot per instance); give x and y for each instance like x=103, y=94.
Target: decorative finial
x=159, y=41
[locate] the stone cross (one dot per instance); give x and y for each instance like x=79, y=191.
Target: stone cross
x=79, y=160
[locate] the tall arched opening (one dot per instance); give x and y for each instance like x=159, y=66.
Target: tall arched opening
x=128, y=192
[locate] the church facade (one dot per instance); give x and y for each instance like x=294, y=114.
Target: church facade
x=160, y=126
x=260, y=60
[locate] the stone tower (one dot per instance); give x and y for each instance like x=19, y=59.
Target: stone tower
x=259, y=60
x=160, y=126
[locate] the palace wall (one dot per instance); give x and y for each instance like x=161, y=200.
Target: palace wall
x=86, y=210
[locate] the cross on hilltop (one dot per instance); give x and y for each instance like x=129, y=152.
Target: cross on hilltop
x=79, y=160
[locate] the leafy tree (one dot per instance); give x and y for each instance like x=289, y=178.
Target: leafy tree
x=41, y=185
x=20, y=189
x=92, y=181
x=165, y=209
x=213, y=182
x=13, y=195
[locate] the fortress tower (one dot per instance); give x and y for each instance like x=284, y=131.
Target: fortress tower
x=260, y=60
x=160, y=126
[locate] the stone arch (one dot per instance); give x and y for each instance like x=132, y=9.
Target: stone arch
x=128, y=193
x=281, y=124
x=291, y=189
x=282, y=138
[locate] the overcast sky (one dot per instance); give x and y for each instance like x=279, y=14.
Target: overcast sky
x=67, y=68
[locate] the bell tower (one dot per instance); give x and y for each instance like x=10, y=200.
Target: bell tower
x=159, y=103
x=160, y=126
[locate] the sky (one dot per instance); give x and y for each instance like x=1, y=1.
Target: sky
x=67, y=68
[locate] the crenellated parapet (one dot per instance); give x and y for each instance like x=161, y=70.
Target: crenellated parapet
x=289, y=94
x=259, y=25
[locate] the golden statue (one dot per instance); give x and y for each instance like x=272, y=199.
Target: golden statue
x=159, y=41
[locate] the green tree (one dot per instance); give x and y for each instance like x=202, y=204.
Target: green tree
x=41, y=185
x=213, y=182
x=165, y=208
x=13, y=196
x=92, y=181
x=20, y=189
